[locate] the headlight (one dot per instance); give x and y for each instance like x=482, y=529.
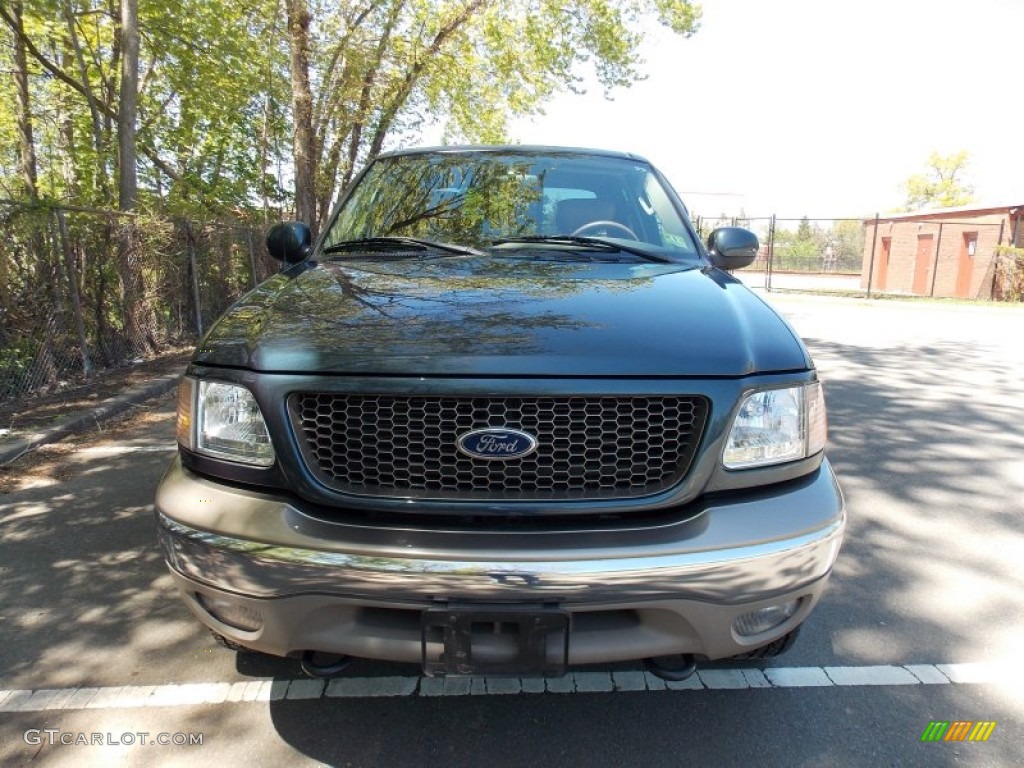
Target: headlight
x=777, y=425
x=222, y=420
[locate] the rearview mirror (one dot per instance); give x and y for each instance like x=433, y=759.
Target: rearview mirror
x=732, y=247
x=290, y=241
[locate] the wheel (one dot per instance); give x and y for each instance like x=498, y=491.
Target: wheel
x=672, y=668
x=606, y=225
x=323, y=664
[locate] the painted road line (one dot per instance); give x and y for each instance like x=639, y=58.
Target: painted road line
x=724, y=678
x=883, y=675
x=727, y=679
x=756, y=679
x=927, y=674
x=970, y=673
x=797, y=677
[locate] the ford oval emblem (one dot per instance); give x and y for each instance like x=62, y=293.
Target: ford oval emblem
x=494, y=443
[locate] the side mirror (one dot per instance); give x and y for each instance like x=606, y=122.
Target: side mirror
x=732, y=247
x=290, y=241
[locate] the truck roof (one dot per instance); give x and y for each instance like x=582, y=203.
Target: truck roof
x=537, y=149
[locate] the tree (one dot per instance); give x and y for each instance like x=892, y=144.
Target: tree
x=208, y=124
x=236, y=102
x=847, y=238
x=365, y=73
x=941, y=185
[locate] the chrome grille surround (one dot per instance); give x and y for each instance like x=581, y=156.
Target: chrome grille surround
x=589, y=447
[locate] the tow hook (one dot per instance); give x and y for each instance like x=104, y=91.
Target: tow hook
x=317, y=664
x=674, y=672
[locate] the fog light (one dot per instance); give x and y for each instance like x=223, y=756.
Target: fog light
x=763, y=619
x=230, y=613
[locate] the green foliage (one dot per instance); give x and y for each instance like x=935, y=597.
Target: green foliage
x=214, y=126
x=813, y=248
x=848, y=243
x=794, y=252
x=211, y=113
x=216, y=99
x=381, y=71
x=941, y=185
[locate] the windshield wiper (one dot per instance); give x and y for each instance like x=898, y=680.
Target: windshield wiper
x=399, y=243
x=591, y=242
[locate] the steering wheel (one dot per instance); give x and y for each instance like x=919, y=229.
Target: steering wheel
x=606, y=225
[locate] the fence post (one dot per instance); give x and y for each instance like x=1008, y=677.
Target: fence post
x=871, y=263
x=51, y=366
x=771, y=255
x=62, y=242
x=191, y=243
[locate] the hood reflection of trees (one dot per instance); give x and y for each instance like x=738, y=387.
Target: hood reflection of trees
x=493, y=303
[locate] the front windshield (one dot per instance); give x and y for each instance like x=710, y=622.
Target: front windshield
x=479, y=198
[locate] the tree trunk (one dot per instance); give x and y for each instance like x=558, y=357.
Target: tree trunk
x=136, y=313
x=26, y=142
x=95, y=109
x=127, y=109
x=304, y=145
x=102, y=112
x=362, y=113
x=66, y=134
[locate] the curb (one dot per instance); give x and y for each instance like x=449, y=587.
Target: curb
x=112, y=406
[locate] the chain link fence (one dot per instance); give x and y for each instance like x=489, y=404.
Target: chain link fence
x=904, y=254
x=799, y=254
x=85, y=290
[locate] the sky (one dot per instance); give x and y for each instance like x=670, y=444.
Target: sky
x=815, y=108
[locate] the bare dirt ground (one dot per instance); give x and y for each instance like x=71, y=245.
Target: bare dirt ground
x=48, y=464
x=42, y=410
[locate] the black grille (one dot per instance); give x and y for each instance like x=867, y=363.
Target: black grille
x=588, y=447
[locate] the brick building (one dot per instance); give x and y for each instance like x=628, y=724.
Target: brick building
x=943, y=252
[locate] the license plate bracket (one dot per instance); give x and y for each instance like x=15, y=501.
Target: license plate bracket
x=495, y=642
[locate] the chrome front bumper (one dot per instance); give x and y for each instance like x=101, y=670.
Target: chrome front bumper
x=356, y=588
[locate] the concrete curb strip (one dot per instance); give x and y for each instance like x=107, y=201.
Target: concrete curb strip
x=83, y=420
x=580, y=682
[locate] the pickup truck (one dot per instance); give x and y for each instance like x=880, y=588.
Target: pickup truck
x=505, y=415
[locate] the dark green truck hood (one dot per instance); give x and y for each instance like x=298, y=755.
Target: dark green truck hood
x=466, y=316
